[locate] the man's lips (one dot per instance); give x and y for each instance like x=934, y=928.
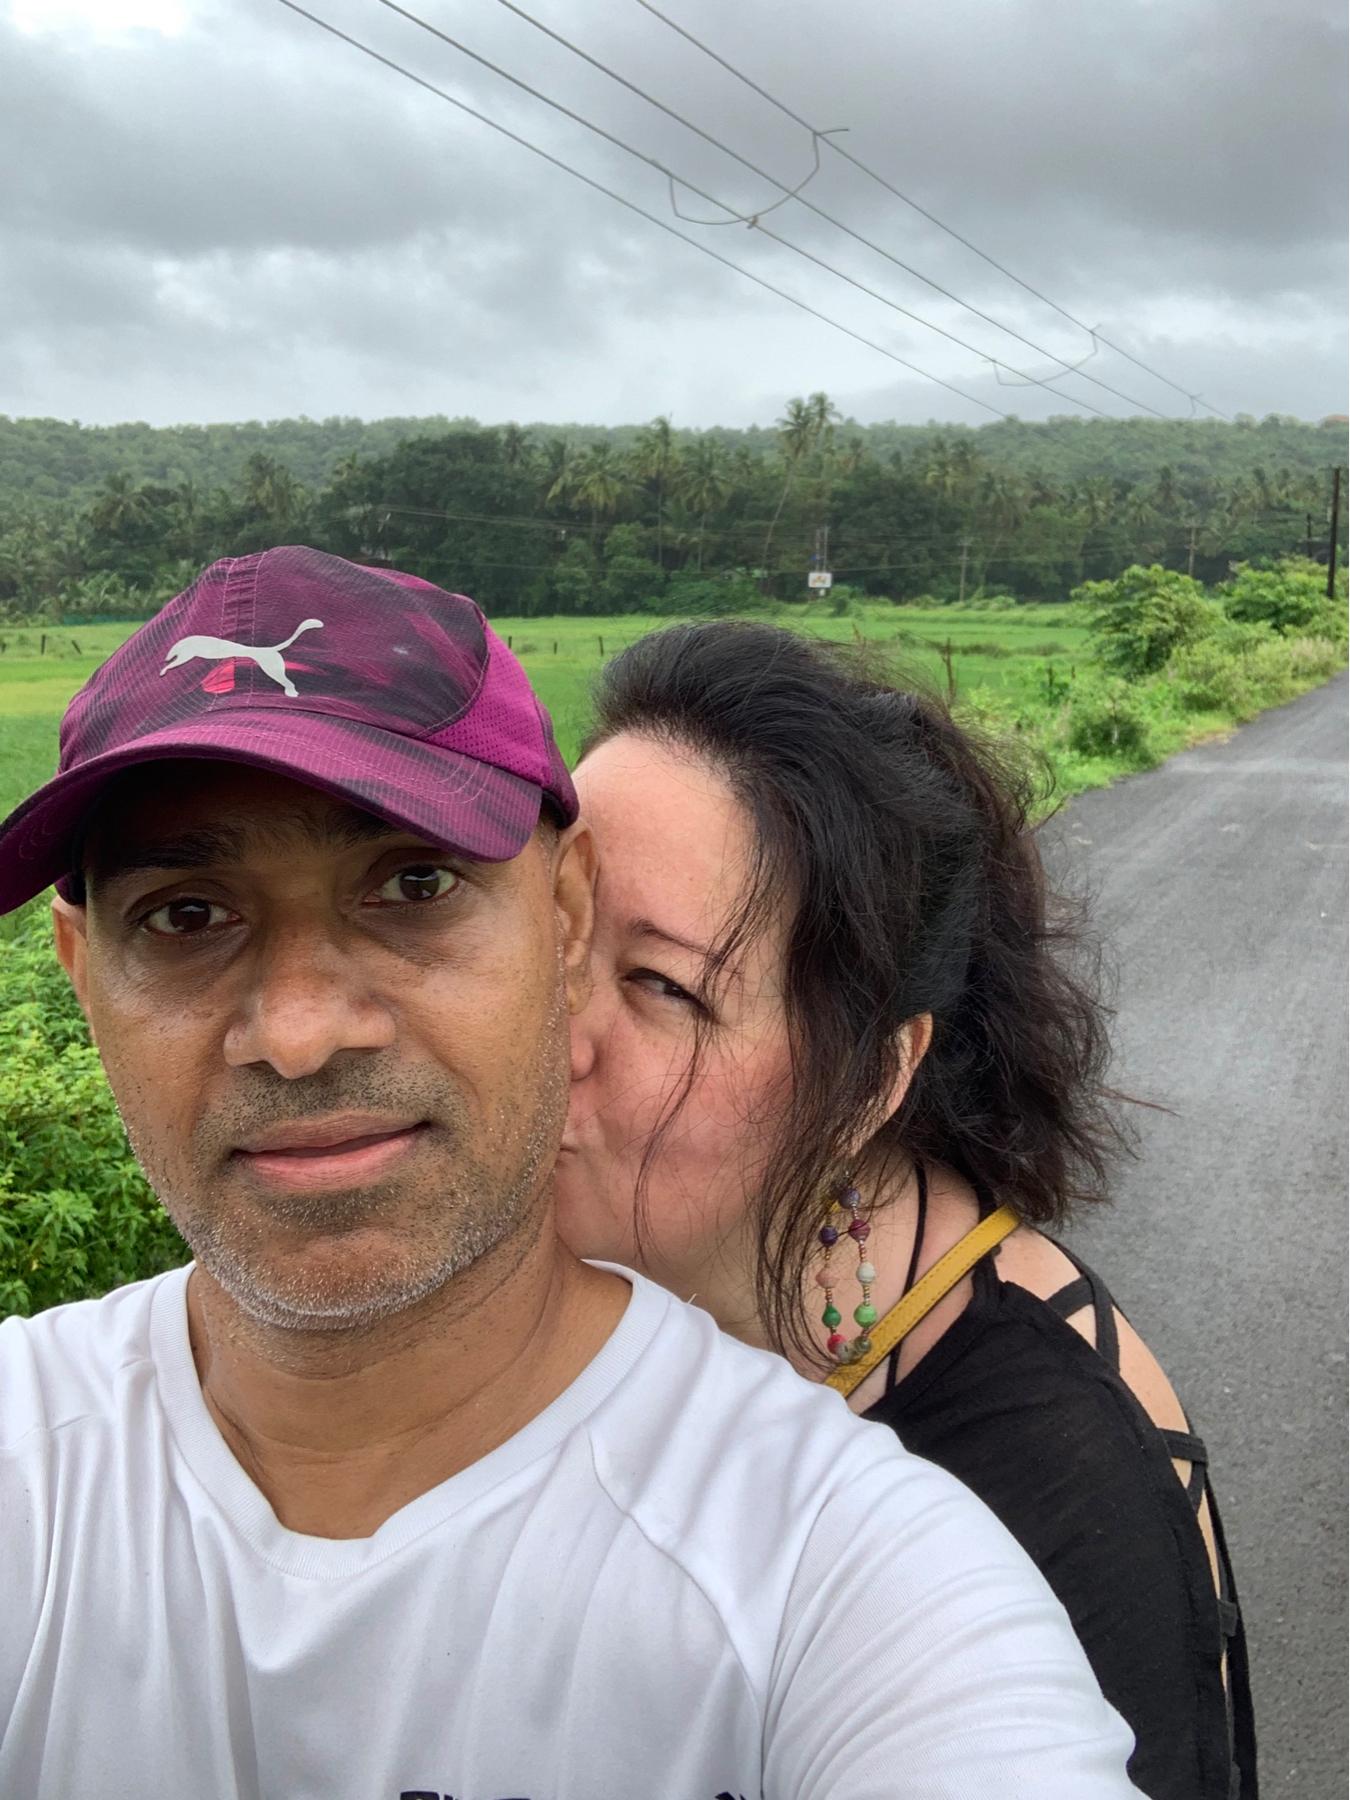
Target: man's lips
x=337, y=1152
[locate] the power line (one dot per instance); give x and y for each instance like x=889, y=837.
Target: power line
x=792, y=193
x=632, y=206
x=923, y=211
x=811, y=206
x=1093, y=542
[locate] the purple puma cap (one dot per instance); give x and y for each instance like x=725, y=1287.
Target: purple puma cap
x=373, y=686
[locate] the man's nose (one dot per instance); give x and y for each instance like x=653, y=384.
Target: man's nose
x=306, y=1001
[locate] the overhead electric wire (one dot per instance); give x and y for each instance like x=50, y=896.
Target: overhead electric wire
x=633, y=207
x=652, y=162
x=950, y=230
x=802, y=200
x=1092, y=542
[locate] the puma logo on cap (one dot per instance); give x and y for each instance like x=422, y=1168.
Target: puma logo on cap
x=267, y=656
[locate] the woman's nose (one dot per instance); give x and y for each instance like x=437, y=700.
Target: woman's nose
x=589, y=1029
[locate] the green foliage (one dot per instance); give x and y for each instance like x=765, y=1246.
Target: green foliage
x=76, y=1217
x=1110, y=718
x=632, y=581
x=1290, y=596
x=573, y=586
x=97, y=522
x=1248, y=669
x=1138, y=620
x=692, y=596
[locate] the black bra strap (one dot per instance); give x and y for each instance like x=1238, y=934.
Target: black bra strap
x=920, y=1224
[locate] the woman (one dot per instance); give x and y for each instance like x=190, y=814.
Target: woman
x=836, y=1051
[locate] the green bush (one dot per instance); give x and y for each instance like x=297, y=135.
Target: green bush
x=1246, y=669
x=76, y=1216
x=1290, y=596
x=1110, y=719
x=696, y=596
x=1142, y=617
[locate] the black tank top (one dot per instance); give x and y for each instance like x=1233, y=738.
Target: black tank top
x=1023, y=1410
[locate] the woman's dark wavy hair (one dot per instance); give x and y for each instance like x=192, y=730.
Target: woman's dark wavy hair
x=900, y=843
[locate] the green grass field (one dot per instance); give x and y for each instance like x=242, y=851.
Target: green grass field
x=998, y=650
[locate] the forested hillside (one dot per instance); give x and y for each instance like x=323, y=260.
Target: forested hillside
x=108, y=521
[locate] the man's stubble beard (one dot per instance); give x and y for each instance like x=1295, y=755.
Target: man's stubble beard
x=472, y=1203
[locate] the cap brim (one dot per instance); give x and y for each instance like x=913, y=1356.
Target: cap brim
x=443, y=796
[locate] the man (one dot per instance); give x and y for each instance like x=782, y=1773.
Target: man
x=387, y=1496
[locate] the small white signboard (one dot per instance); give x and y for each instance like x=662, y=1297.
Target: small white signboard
x=819, y=578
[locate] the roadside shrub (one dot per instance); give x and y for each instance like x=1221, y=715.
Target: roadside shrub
x=711, y=596
x=1248, y=668
x=1138, y=620
x=76, y=1216
x=1110, y=719
x=1290, y=597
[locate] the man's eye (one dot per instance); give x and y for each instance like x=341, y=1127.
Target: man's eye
x=423, y=881
x=186, y=918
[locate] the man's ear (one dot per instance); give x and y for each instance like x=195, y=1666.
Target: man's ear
x=575, y=866
x=70, y=929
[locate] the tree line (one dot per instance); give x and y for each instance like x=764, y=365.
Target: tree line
x=533, y=520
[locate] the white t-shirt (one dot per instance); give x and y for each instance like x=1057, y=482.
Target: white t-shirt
x=694, y=1576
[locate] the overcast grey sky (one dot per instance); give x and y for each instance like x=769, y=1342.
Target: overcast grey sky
x=213, y=210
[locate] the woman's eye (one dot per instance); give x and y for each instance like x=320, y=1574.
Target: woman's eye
x=421, y=882
x=187, y=918
x=663, y=986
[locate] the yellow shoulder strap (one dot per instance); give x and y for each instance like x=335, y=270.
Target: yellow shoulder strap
x=924, y=1296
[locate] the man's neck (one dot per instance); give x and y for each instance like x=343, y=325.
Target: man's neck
x=340, y=1429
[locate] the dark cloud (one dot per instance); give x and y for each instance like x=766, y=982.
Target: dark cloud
x=247, y=218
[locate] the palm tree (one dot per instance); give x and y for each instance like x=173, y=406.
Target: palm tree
x=943, y=473
x=653, y=460
x=560, y=471
x=1096, y=498
x=516, y=446
x=271, y=489
x=703, y=481
x=1004, y=499
x=118, y=507
x=601, y=483
x=1167, y=492
x=797, y=431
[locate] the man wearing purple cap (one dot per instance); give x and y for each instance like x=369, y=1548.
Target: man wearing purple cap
x=387, y=1496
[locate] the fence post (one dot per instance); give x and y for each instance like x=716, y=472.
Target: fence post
x=76, y=648
x=508, y=640
x=951, y=677
x=555, y=646
x=599, y=640
x=42, y=647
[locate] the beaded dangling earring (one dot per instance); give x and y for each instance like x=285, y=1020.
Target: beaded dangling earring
x=846, y=1213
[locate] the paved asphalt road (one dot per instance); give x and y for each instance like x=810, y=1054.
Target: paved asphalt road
x=1221, y=888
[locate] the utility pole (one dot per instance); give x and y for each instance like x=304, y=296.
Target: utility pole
x=965, y=555
x=1335, y=531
